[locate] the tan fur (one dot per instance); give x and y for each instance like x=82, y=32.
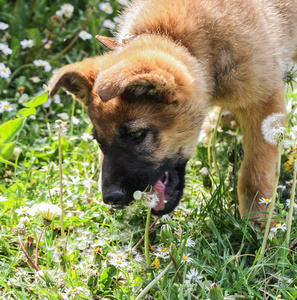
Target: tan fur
x=187, y=56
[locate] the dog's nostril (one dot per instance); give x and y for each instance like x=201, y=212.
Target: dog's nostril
x=113, y=197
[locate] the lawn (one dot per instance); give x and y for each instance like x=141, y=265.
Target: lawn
x=58, y=240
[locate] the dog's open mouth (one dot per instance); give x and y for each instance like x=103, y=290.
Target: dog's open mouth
x=160, y=190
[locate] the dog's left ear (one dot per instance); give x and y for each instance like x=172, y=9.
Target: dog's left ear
x=164, y=78
x=77, y=78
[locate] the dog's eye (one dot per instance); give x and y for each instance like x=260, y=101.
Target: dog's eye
x=136, y=134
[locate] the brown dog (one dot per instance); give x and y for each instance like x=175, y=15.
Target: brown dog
x=173, y=60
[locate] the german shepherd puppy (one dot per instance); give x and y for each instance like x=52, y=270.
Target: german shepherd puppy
x=172, y=60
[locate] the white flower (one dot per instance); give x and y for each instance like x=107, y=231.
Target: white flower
x=123, y=2
x=192, y=277
x=117, y=19
x=118, y=262
x=22, y=211
x=106, y=7
x=24, y=220
x=66, y=10
x=27, y=44
x=188, y=243
x=264, y=201
x=47, y=211
x=5, y=49
x=35, y=79
x=163, y=252
x=48, y=103
x=85, y=35
x=4, y=72
x=5, y=106
x=279, y=226
x=42, y=63
x=63, y=116
x=47, y=43
x=24, y=99
x=3, y=26
x=45, y=87
x=86, y=136
x=272, y=128
x=76, y=291
x=288, y=203
x=186, y=258
x=57, y=99
x=109, y=24
x=2, y=198
x=75, y=120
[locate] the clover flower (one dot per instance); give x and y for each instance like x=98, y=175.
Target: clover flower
x=106, y=7
x=27, y=44
x=24, y=99
x=272, y=128
x=279, y=226
x=3, y=26
x=186, y=258
x=5, y=49
x=47, y=211
x=85, y=35
x=264, y=201
x=109, y=24
x=42, y=63
x=4, y=71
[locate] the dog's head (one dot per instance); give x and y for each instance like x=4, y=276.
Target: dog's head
x=146, y=108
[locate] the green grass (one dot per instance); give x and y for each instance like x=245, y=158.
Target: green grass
x=97, y=258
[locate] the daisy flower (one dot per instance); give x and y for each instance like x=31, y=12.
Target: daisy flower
x=123, y=2
x=163, y=251
x=288, y=203
x=4, y=71
x=47, y=211
x=63, y=116
x=109, y=24
x=42, y=63
x=22, y=211
x=5, y=106
x=264, y=201
x=24, y=99
x=188, y=243
x=35, y=79
x=86, y=136
x=3, y=26
x=279, y=226
x=272, y=128
x=2, y=198
x=75, y=120
x=186, y=258
x=106, y=7
x=85, y=35
x=27, y=44
x=5, y=49
x=66, y=10
x=118, y=261
x=192, y=277
x=57, y=99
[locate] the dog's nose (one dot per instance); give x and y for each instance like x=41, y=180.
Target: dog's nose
x=113, y=197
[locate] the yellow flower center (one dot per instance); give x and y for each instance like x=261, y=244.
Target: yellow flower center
x=4, y=70
x=185, y=257
x=163, y=250
x=267, y=200
x=41, y=64
x=25, y=100
x=74, y=291
x=277, y=225
x=118, y=262
x=6, y=106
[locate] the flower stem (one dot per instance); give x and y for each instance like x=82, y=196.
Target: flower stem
x=290, y=214
x=61, y=186
x=272, y=204
x=27, y=255
x=148, y=287
x=37, y=245
x=146, y=239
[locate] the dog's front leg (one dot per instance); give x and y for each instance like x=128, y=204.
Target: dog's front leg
x=257, y=172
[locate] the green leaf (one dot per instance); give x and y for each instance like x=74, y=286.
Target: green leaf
x=40, y=99
x=6, y=150
x=25, y=112
x=8, y=162
x=9, y=129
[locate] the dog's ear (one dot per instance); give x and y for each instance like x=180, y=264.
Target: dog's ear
x=77, y=78
x=164, y=78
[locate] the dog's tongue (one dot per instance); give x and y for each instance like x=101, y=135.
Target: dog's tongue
x=159, y=189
